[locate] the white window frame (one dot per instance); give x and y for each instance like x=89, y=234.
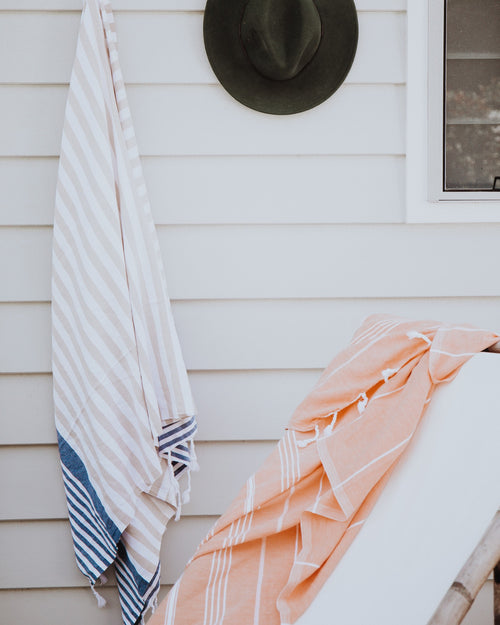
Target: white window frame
x=425, y=201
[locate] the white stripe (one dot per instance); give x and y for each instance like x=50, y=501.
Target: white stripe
x=396, y=390
x=287, y=463
x=279, y=524
x=370, y=329
x=221, y=597
x=209, y=584
x=356, y=524
x=172, y=604
x=318, y=495
x=373, y=329
x=260, y=577
x=224, y=595
x=282, y=475
x=250, y=494
x=439, y=351
x=297, y=455
x=377, y=338
x=369, y=464
x=231, y=539
x=292, y=454
x=314, y=566
x=461, y=328
x=215, y=580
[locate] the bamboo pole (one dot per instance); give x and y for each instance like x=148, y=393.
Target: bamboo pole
x=496, y=594
x=457, y=601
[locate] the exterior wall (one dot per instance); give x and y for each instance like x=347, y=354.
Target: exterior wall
x=279, y=235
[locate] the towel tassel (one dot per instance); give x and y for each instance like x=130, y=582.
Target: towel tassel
x=363, y=401
x=193, y=460
x=329, y=428
x=308, y=441
x=388, y=373
x=418, y=335
x=175, y=485
x=187, y=492
x=192, y=466
x=101, y=601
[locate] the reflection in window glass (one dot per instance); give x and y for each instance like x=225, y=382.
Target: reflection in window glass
x=472, y=95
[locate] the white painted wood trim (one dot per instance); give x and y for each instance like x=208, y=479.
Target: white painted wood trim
x=420, y=126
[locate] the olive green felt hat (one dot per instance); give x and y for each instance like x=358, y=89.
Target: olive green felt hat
x=280, y=56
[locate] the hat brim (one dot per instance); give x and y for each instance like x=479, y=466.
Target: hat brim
x=314, y=84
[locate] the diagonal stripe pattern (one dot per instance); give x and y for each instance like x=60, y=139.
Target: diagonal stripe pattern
x=123, y=406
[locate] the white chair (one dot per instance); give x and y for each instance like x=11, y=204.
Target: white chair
x=431, y=515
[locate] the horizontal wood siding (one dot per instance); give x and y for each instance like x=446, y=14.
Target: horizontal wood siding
x=223, y=189
x=241, y=262
x=235, y=335
x=151, y=51
x=279, y=235
x=28, y=494
x=46, y=559
x=25, y=603
x=48, y=606
x=202, y=119
x=233, y=404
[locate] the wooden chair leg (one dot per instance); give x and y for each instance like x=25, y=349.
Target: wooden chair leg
x=457, y=601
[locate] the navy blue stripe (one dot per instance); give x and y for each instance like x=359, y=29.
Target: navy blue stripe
x=141, y=583
x=88, y=513
x=179, y=453
x=179, y=470
x=134, y=605
x=130, y=615
x=85, y=527
x=81, y=495
x=95, y=525
x=179, y=439
x=76, y=467
x=99, y=566
x=125, y=590
x=130, y=600
x=168, y=430
x=84, y=522
x=190, y=426
x=154, y=585
x=128, y=579
x=182, y=461
x=83, y=568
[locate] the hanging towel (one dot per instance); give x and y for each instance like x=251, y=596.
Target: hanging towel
x=123, y=407
x=269, y=554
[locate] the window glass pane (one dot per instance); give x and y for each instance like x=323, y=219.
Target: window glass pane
x=472, y=94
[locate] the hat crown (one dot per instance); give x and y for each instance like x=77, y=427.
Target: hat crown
x=280, y=37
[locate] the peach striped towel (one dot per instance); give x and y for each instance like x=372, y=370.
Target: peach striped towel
x=269, y=554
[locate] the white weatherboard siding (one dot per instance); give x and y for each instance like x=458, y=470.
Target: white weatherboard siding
x=279, y=235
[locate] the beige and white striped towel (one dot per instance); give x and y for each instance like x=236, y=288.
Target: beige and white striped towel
x=123, y=406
